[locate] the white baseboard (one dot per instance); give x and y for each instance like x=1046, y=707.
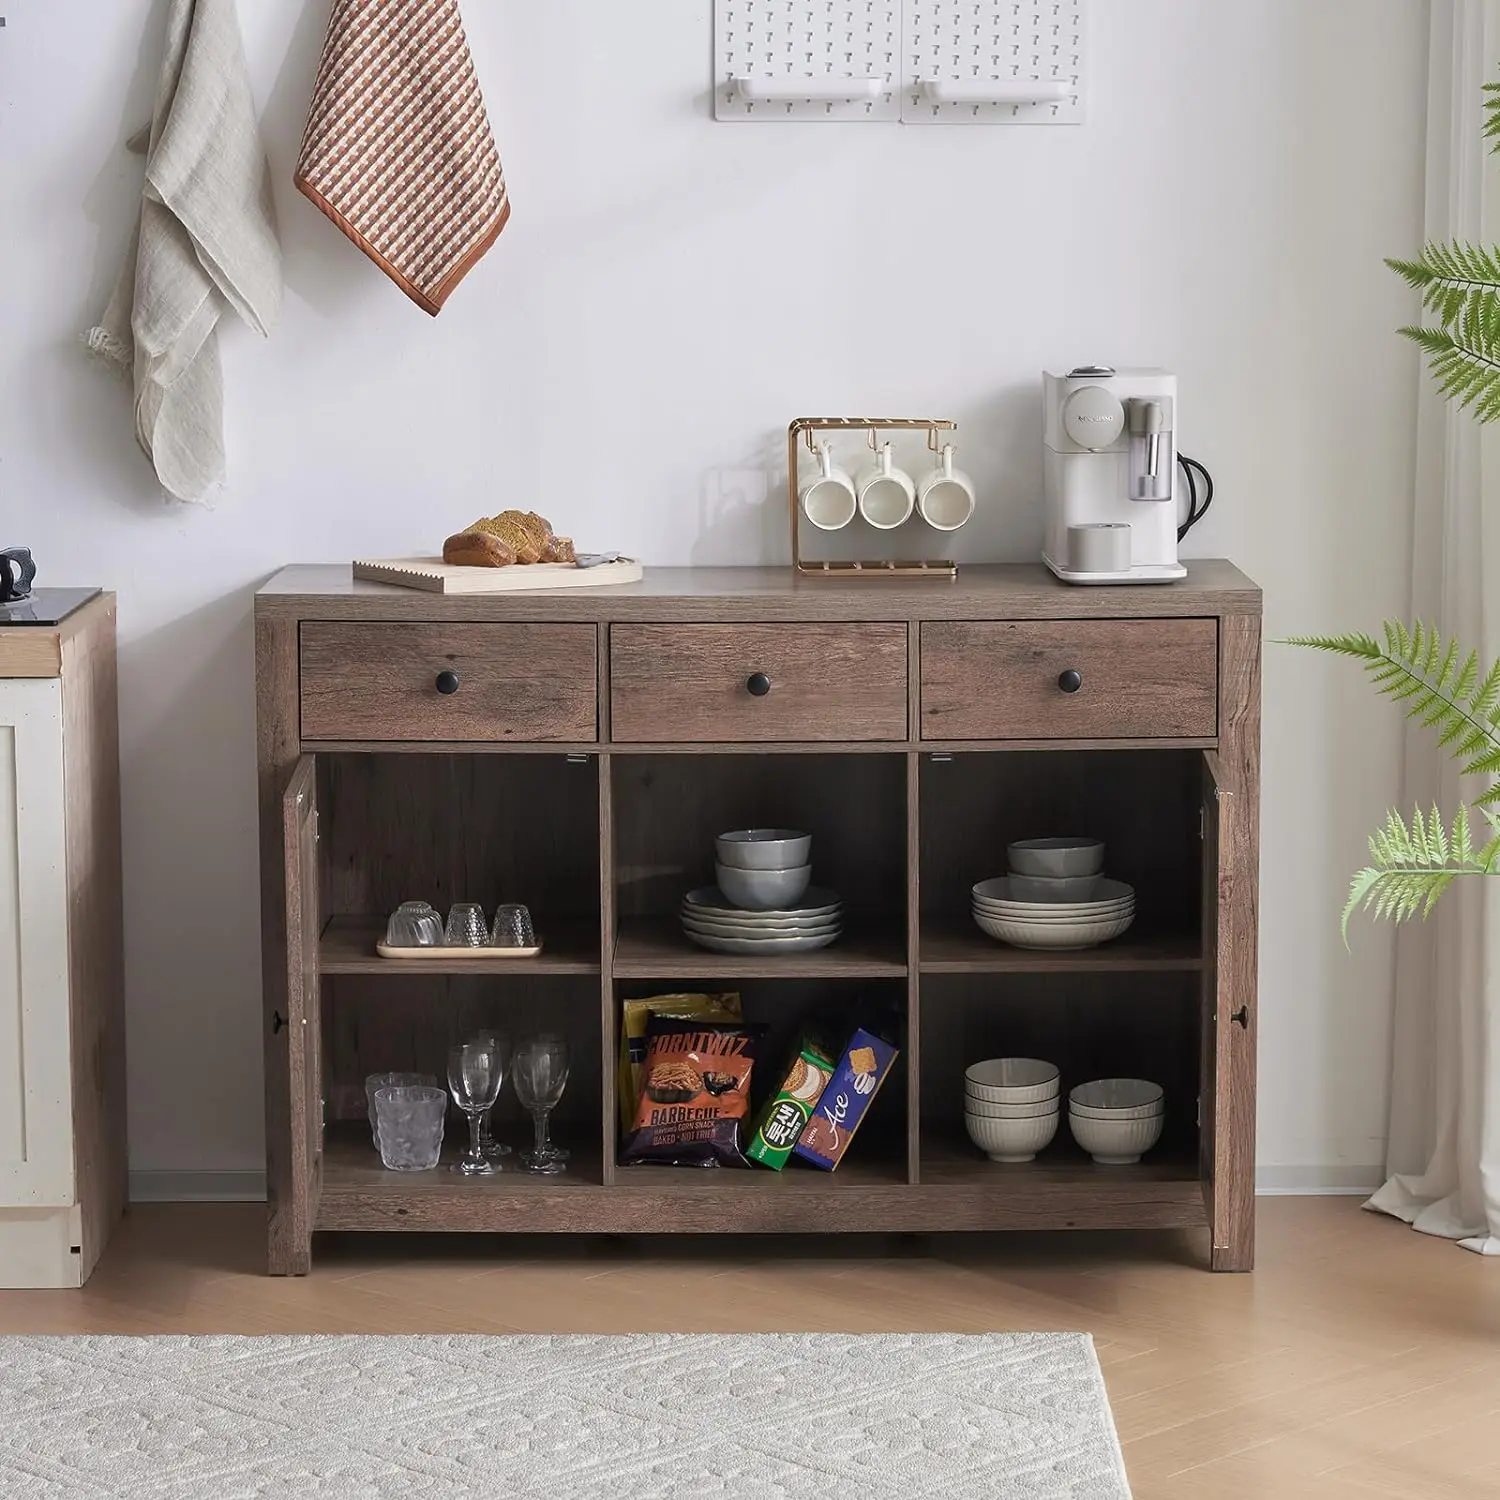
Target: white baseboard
x=1310, y=1181
x=1314, y=1180
x=197, y=1187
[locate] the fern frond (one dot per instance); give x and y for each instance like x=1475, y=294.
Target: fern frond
x=1464, y=356
x=1447, y=275
x=1413, y=864
x=1492, y=114
x=1437, y=688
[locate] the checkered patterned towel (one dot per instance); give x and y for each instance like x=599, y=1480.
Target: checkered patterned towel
x=398, y=150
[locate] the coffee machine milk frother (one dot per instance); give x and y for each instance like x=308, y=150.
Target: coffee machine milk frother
x=1111, y=475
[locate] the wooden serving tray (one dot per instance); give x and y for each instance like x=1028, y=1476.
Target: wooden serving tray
x=437, y=577
x=419, y=955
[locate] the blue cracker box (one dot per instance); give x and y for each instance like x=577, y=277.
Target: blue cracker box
x=865, y=1065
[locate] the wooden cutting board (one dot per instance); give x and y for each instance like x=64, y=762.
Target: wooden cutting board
x=438, y=577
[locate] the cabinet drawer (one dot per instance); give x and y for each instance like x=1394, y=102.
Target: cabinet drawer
x=757, y=682
x=513, y=682
x=1008, y=680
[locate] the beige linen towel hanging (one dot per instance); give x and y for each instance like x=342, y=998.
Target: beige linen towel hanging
x=206, y=242
x=398, y=150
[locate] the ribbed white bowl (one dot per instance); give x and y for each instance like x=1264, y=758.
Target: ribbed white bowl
x=1116, y=1093
x=1057, y=935
x=1012, y=1080
x=1028, y=1111
x=1144, y=1112
x=1115, y=1143
x=1011, y=1140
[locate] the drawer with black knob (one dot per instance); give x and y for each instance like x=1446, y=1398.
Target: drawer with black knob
x=447, y=682
x=753, y=683
x=1070, y=679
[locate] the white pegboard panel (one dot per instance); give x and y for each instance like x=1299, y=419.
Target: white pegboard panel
x=969, y=44
x=767, y=52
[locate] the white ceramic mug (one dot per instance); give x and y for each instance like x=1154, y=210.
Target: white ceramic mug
x=828, y=498
x=886, y=493
x=946, y=497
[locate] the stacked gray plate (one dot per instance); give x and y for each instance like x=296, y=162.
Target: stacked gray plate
x=713, y=921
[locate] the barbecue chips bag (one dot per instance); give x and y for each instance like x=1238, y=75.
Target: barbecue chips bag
x=696, y=1094
x=634, y=1014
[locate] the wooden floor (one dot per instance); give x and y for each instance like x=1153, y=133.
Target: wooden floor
x=1361, y=1360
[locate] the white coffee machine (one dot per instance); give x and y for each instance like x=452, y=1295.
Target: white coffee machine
x=1110, y=451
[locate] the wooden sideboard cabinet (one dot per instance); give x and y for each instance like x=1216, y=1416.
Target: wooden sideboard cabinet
x=62, y=1022
x=578, y=750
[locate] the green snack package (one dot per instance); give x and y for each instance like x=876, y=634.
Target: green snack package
x=786, y=1112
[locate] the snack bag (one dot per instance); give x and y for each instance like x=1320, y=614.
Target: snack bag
x=781, y=1119
x=634, y=1016
x=695, y=1095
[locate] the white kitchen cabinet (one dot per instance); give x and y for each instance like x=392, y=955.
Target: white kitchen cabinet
x=62, y=1044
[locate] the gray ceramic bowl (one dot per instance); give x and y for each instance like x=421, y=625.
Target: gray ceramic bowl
x=763, y=848
x=764, y=890
x=1056, y=857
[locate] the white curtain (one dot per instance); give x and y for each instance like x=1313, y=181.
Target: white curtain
x=1444, y=1144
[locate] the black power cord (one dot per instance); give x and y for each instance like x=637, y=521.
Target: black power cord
x=1197, y=505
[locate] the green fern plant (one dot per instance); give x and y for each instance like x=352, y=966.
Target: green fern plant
x=1413, y=863
x=1460, y=286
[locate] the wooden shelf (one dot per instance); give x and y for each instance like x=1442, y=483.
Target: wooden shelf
x=867, y=1194
x=1064, y=1189
x=655, y=948
x=571, y=946
x=956, y=946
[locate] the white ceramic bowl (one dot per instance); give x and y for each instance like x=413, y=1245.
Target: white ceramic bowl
x=1001, y=891
x=764, y=890
x=1011, y=1080
x=763, y=848
x=1145, y=1112
x=1052, y=889
x=1116, y=1094
x=1055, y=856
x=1027, y=1111
x=1060, y=936
x=1115, y=1143
x=1011, y=1140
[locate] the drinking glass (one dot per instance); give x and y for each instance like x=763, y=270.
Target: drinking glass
x=540, y=1072
x=409, y=1126
x=467, y=927
x=492, y=1149
x=377, y=1081
x=475, y=1073
x=513, y=928
x=414, y=924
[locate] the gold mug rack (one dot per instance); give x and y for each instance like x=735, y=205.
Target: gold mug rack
x=801, y=431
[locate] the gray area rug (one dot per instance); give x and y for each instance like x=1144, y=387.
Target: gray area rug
x=746, y=1417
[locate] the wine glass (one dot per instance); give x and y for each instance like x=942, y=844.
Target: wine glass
x=492, y=1149
x=475, y=1073
x=540, y=1073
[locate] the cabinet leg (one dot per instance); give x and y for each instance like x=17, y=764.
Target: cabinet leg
x=1239, y=1254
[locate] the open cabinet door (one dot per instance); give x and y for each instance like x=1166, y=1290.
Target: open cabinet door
x=1226, y=1104
x=294, y=1214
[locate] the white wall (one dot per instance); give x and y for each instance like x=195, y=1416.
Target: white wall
x=669, y=294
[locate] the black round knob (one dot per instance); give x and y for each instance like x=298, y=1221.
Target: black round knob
x=447, y=681
x=758, y=685
x=1070, y=681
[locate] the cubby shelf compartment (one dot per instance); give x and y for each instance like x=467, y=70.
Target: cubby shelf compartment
x=654, y=948
x=348, y=947
x=957, y=946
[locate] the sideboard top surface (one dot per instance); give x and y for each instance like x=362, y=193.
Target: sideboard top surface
x=1009, y=591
